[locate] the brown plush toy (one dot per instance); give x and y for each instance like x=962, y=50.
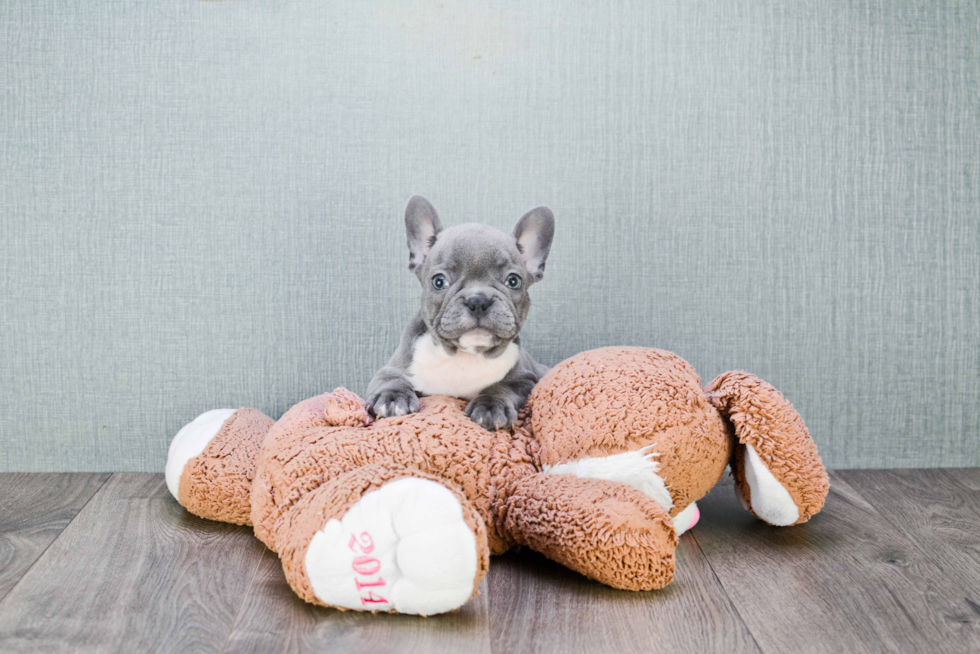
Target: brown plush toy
x=402, y=514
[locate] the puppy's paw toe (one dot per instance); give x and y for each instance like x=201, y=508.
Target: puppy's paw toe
x=492, y=413
x=394, y=403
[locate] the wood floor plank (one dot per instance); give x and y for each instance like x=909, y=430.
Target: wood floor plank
x=274, y=619
x=34, y=509
x=937, y=512
x=847, y=581
x=969, y=478
x=133, y=572
x=537, y=605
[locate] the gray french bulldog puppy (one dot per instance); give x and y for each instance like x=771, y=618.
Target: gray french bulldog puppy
x=465, y=339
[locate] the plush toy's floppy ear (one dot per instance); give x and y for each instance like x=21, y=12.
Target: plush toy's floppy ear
x=779, y=476
x=422, y=226
x=534, y=232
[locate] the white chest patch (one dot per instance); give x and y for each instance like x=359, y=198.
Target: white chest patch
x=463, y=375
x=636, y=468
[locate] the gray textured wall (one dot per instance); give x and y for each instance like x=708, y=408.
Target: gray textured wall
x=201, y=203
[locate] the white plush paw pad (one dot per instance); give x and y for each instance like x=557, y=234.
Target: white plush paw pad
x=770, y=500
x=190, y=441
x=403, y=547
x=687, y=518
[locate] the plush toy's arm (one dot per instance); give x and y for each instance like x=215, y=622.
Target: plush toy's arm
x=606, y=530
x=343, y=408
x=212, y=460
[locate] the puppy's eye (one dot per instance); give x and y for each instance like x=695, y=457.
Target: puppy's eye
x=439, y=282
x=514, y=281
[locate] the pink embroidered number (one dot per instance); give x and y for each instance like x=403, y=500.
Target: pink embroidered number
x=366, y=566
x=365, y=584
x=366, y=543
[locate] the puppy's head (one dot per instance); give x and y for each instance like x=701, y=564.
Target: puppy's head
x=475, y=278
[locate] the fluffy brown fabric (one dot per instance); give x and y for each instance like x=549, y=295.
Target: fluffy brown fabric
x=217, y=484
x=605, y=530
x=306, y=449
x=327, y=452
x=333, y=499
x=770, y=424
x=618, y=399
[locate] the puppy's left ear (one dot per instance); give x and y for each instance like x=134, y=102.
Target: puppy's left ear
x=534, y=232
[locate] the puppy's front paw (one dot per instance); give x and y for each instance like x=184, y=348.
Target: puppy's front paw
x=393, y=402
x=492, y=413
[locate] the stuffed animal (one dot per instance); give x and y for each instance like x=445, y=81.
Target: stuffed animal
x=601, y=473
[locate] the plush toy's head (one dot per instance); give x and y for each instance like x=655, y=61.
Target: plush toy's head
x=620, y=400
x=596, y=413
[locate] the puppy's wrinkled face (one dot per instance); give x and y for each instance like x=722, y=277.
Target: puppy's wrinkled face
x=474, y=288
x=475, y=278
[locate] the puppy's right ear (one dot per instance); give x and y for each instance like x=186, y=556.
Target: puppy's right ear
x=534, y=232
x=422, y=225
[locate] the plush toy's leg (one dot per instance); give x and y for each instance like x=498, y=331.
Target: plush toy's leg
x=377, y=539
x=606, y=530
x=778, y=474
x=211, y=463
x=296, y=431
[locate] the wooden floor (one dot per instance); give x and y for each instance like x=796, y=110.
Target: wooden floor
x=111, y=563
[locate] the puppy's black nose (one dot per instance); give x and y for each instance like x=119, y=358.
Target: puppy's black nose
x=478, y=305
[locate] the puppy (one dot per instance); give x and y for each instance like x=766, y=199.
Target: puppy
x=465, y=339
